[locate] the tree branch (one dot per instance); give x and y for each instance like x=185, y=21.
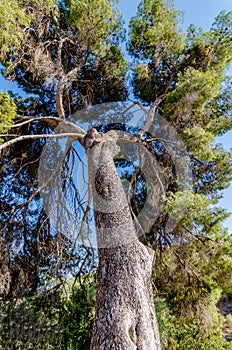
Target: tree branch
x=155, y=105
x=51, y=121
x=59, y=98
x=77, y=136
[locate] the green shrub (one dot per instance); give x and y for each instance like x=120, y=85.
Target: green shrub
x=229, y=320
x=190, y=333
x=77, y=316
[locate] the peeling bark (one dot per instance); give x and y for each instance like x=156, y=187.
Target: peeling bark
x=125, y=314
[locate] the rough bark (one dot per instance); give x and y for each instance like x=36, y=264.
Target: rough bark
x=125, y=314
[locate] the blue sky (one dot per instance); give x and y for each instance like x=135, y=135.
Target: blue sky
x=202, y=14
x=199, y=12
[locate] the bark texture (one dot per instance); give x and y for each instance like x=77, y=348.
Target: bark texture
x=125, y=314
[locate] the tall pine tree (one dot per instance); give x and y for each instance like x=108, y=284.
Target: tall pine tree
x=66, y=56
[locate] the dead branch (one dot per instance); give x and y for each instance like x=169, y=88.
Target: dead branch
x=52, y=122
x=76, y=136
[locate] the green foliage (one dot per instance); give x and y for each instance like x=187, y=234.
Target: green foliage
x=154, y=30
x=210, y=50
x=193, y=269
x=47, y=6
x=188, y=317
x=169, y=57
x=220, y=110
x=156, y=42
x=31, y=323
x=10, y=30
x=189, y=278
x=73, y=41
x=180, y=333
x=229, y=320
x=62, y=318
x=187, y=201
x=14, y=18
x=7, y=112
x=95, y=21
x=77, y=316
x=120, y=64
x=99, y=28
x=221, y=32
x=192, y=91
x=199, y=142
x=142, y=71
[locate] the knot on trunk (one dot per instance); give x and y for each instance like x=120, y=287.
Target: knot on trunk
x=107, y=141
x=92, y=137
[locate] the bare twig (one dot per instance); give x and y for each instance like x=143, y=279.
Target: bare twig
x=51, y=121
x=77, y=136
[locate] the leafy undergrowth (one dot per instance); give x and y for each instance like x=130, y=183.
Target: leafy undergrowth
x=225, y=308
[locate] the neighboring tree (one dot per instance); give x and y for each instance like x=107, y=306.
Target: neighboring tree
x=186, y=76
x=66, y=56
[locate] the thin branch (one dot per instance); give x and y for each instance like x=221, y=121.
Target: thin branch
x=72, y=72
x=46, y=183
x=134, y=181
x=77, y=136
x=154, y=106
x=126, y=137
x=142, y=107
x=52, y=121
x=161, y=139
x=150, y=119
x=25, y=165
x=30, y=119
x=59, y=98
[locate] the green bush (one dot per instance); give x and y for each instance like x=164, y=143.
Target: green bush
x=229, y=320
x=63, y=319
x=189, y=333
x=77, y=316
x=59, y=319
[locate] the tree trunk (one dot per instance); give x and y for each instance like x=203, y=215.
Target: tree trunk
x=125, y=315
